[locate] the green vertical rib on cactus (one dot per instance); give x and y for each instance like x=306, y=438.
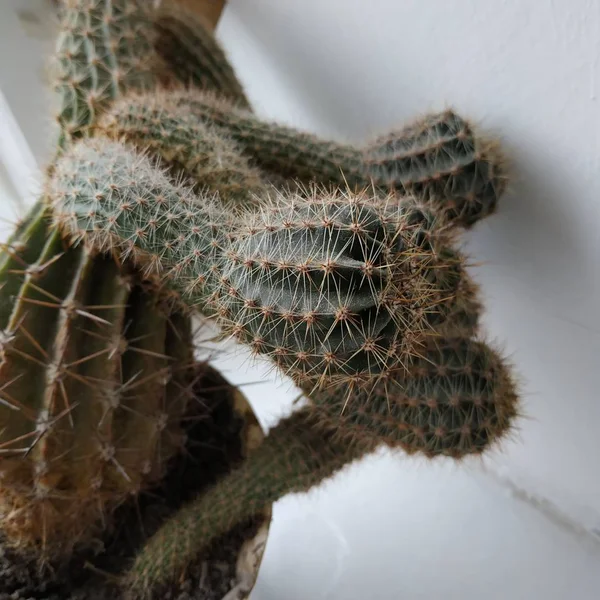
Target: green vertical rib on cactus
x=193, y=54
x=459, y=400
x=438, y=159
x=86, y=360
x=104, y=47
x=294, y=457
x=16, y=254
x=331, y=288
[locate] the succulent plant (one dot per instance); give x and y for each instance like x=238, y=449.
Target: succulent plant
x=347, y=276
x=94, y=375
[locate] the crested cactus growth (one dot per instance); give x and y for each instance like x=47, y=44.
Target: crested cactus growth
x=457, y=401
x=104, y=47
x=438, y=159
x=193, y=54
x=94, y=374
x=332, y=289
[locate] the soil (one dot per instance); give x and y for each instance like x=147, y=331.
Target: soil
x=214, y=446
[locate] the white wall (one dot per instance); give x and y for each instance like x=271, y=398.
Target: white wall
x=525, y=526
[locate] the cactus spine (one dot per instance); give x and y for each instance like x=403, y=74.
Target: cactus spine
x=94, y=382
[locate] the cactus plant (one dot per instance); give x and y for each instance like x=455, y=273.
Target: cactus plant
x=84, y=341
x=334, y=290
x=437, y=158
x=192, y=53
x=349, y=280
x=95, y=381
x=458, y=401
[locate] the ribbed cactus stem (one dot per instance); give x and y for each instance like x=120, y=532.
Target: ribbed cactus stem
x=193, y=53
x=104, y=47
x=117, y=199
x=458, y=399
x=330, y=287
x=438, y=159
x=199, y=149
x=295, y=456
x=87, y=356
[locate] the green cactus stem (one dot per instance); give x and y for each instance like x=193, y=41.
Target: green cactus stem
x=294, y=457
x=93, y=380
x=459, y=398
x=199, y=150
x=104, y=47
x=193, y=54
x=438, y=159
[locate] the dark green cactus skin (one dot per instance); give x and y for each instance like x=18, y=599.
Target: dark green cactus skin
x=94, y=383
x=295, y=456
x=104, y=47
x=193, y=54
x=438, y=159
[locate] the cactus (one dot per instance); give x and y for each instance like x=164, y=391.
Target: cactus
x=350, y=282
x=458, y=401
x=295, y=456
x=199, y=150
x=94, y=373
x=333, y=289
x=104, y=47
x=193, y=54
x=437, y=159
